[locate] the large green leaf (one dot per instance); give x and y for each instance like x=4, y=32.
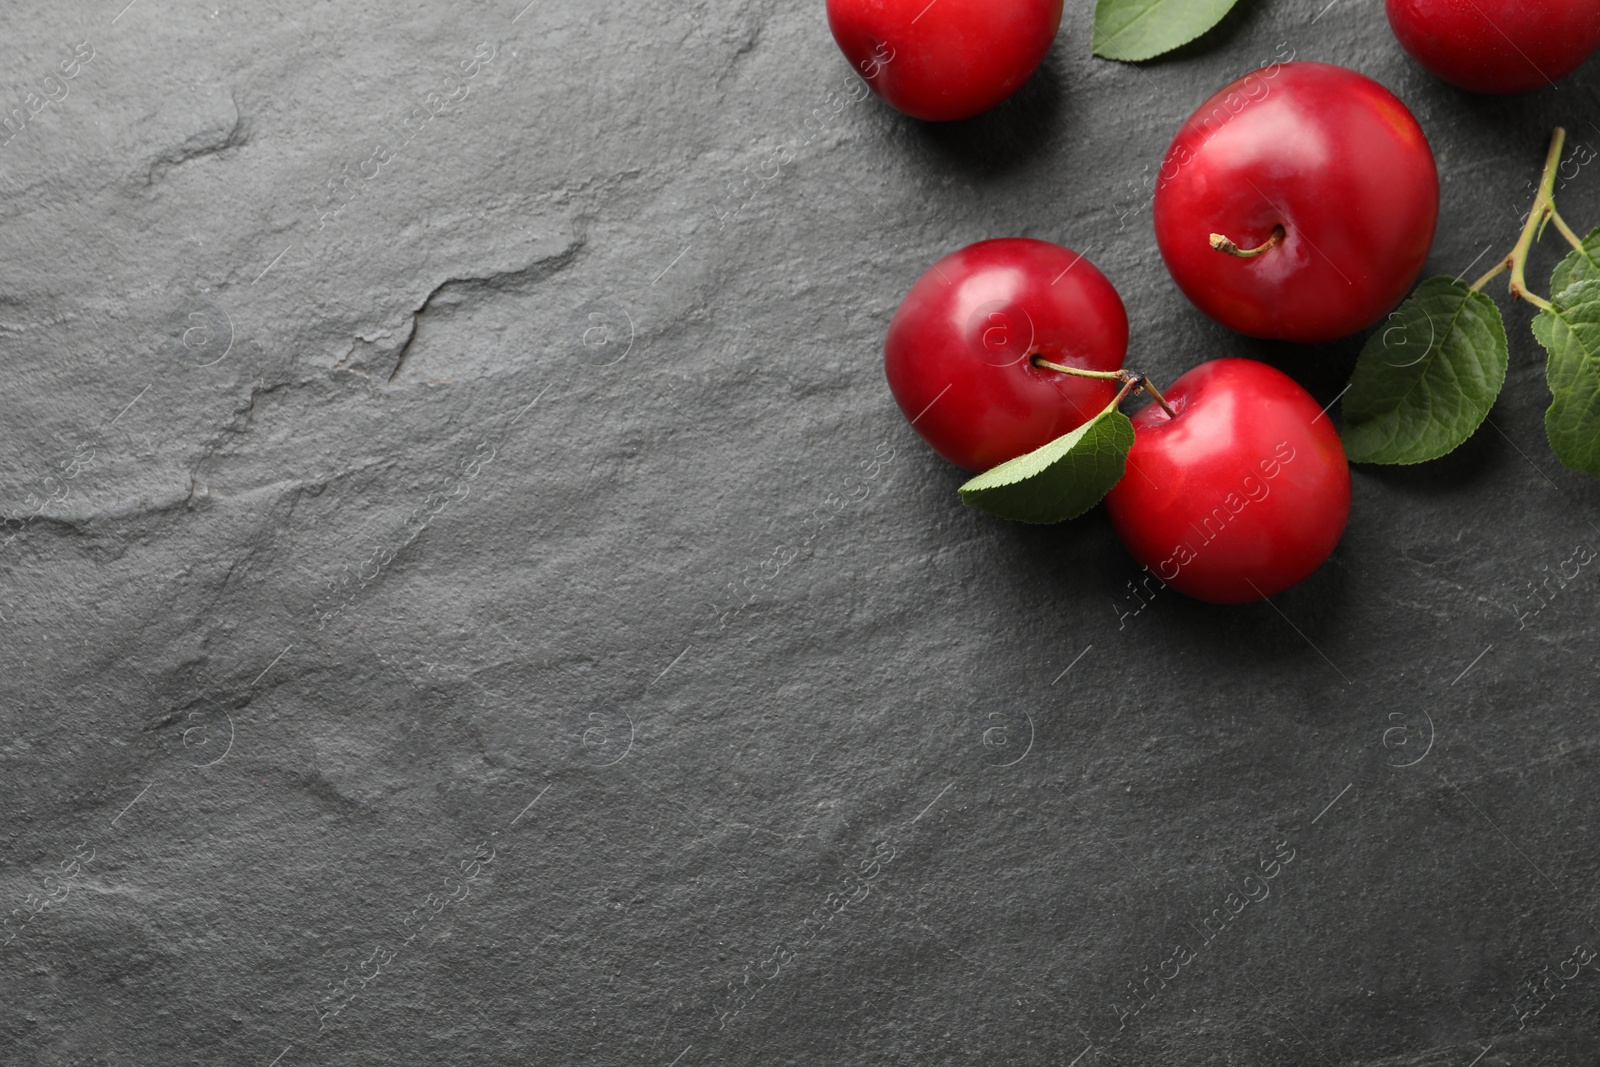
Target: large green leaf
x=1060, y=480
x=1570, y=332
x=1581, y=264
x=1425, y=381
x=1132, y=30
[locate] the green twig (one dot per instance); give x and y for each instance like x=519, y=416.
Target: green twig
x=1566, y=231
x=1543, y=208
x=1478, y=285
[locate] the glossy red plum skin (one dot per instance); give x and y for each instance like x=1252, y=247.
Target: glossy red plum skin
x=1333, y=158
x=958, y=354
x=946, y=60
x=1239, y=497
x=1497, y=46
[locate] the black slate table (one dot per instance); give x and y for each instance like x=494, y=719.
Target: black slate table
x=469, y=597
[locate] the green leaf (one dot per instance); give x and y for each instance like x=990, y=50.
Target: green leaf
x=1060, y=480
x=1131, y=30
x=1570, y=332
x=1426, y=380
x=1581, y=264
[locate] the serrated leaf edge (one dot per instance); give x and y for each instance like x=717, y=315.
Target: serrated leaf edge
x=1580, y=250
x=1098, y=39
x=1016, y=462
x=1499, y=320
x=1554, y=312
x=1080, y=432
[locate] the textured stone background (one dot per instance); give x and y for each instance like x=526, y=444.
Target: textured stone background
x=507, y=621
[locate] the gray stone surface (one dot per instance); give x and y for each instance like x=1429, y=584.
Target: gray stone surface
x=505, y=620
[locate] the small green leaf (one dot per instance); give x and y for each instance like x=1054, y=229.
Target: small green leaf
x=1060, y=480
x=1425, y=381
x=1131, y=30
x=1570, y=332
x=1580, y=265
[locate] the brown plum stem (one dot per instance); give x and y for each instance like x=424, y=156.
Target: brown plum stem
x=1080, y=372
x=1226, y=244
x=1129, y=379
x=1155, y=394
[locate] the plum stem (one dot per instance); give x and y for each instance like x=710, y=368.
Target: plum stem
x=1226, y=244
x=1129, y=379
x=1155, y=394
x=1081, y=372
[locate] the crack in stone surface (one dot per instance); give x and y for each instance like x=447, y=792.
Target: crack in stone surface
x=473, y=286
x=200, y=145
